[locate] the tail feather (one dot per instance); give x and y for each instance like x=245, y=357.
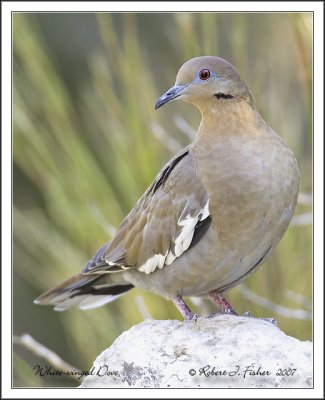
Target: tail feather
x=84, y=291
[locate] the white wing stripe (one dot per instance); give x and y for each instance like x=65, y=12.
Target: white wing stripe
x=181, y=243
x=178, y=249
x=150, y=265
x=161, y=261
x=170, y=258
x=189, y=224
x=187, y=241
x=205, y=212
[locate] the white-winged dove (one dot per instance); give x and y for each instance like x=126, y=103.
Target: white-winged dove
x=213, y=214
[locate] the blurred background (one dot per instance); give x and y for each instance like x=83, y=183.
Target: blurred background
x=87, y=143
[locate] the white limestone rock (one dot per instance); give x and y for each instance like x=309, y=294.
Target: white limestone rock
x=222, y=352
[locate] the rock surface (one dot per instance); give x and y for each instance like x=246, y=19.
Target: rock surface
x=223, y=352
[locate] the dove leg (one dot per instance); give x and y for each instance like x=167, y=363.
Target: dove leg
x=184, y=309
x=222, y=303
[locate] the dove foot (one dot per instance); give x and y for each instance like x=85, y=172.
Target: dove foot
x=248, y=314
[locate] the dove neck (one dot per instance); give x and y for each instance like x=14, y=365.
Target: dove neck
x=229, y=117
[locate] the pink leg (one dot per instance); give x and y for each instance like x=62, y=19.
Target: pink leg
x=226, y=308
x=222, y=303
x=184, y=309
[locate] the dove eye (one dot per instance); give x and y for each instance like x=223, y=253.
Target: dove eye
x=204, y=74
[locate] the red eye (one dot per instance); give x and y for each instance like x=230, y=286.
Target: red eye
x=204, y=74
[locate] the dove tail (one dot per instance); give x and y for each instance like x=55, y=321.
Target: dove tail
x=84, y=291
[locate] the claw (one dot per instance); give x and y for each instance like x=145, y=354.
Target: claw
x=271, y=320
x=191, y=317
x=248, y=314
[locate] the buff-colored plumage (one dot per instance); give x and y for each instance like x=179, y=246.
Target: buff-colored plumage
x=214, y=213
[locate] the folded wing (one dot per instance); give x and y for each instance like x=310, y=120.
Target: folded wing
x=171, y=217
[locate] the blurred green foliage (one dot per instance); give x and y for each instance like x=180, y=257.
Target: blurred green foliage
x=87, y=142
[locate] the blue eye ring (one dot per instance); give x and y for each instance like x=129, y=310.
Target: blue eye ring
x=204, y=74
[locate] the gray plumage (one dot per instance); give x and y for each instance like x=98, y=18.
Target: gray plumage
x=215, y=211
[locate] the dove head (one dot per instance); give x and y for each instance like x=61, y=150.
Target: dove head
x=205, y=80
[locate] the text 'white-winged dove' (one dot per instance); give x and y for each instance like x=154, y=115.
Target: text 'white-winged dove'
x=213, y=214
